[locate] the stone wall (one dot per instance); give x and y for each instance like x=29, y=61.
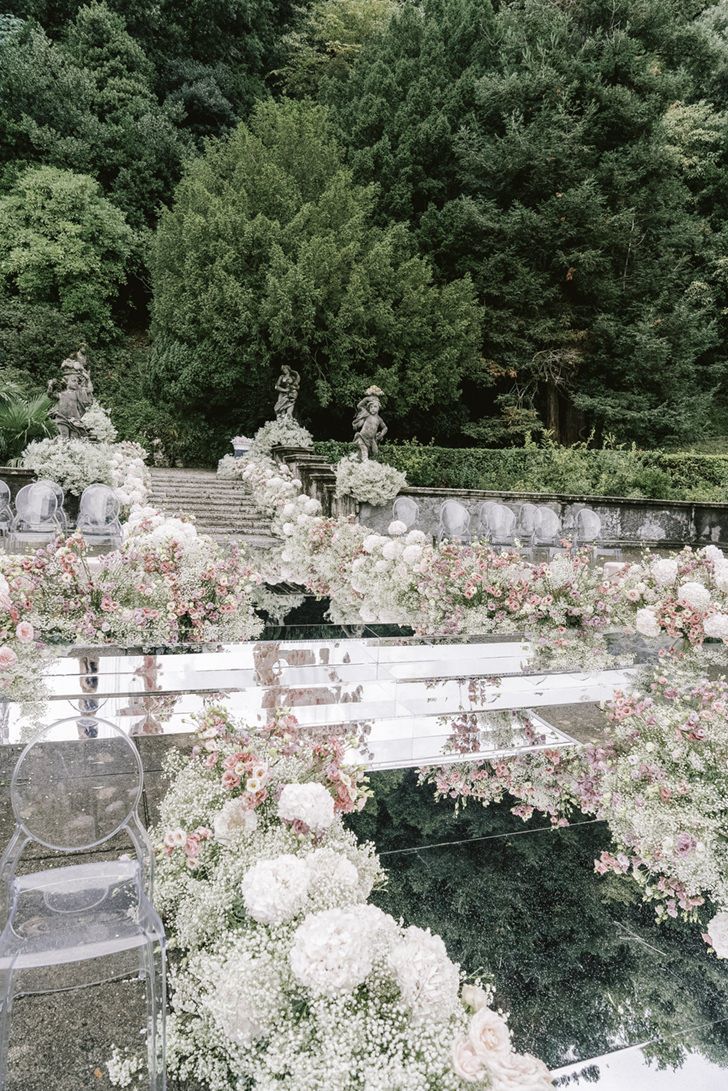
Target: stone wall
x=16, y=478
x=625, y=521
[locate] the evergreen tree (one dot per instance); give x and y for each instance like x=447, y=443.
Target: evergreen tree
x=545, y=156
x=270, y=255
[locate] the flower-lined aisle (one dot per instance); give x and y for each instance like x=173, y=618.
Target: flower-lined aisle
x=286, y=976
x=659, y=780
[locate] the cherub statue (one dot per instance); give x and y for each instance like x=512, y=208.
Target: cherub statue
x=74, y=398
x=368, y=426
x=288, y=385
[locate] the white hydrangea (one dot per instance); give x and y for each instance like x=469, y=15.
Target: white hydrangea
x=720, y=576
x=693, y=594
x=664, y=572
x=416, y=537
x=334, y=951
x=646, y=622
x=150, y=527
x=716, y=626
x=392, y=550
x=98, y=423
x=397, y=528
x=373, y=542
x=428, y=981
x=246, y=997
x=368, y=482
x=275, y=890
x=713, y=554
x=412, y=554
x=309, y=803
x=232, y=822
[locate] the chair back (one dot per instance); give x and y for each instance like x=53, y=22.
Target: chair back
x=36, y=505
x=548, y=525
x=527, y=520
x=4, y=496
x=454, y=521
x=72, y=794
x=98, y=508
x=60, y=497
x=588, y=525
x=406, y=510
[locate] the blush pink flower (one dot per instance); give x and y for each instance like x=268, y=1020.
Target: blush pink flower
x=24, y=632
x=8, y=658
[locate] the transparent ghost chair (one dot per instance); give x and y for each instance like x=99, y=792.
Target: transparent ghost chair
x=526, y=526
x=547, y=534
x=484, y=518
x=35, y=522
x=98, y=517
x=81, y=924
x=500, y=525
x=6, y=509
x=454, y=522
x=588, y=533
x=60, y=497
x=406, y=510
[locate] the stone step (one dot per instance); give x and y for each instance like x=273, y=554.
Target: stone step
x=222, y=509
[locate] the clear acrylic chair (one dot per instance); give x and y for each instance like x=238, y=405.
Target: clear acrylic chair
x=547, y=534
x=588, y=533
x=6, y=509
x=61, y=517
x=500, y=524
x=35, y=522
x=454, y=522
x=81, y=924
x=406, y=510
x=98, y=517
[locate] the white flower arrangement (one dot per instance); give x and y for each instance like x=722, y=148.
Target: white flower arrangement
x=77, y=463
x=368, y=482
x=286, y=976
x=98, y=424
x=282, y=432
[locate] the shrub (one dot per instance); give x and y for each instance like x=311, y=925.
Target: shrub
x=568, y=470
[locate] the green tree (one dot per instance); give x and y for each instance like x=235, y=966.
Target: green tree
x=88, y=103
x=541, y=150
x=328, y=39
x=63, y=246
x=270, y=255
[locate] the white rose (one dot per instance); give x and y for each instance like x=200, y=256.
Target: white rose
x=664, y=572
x=474, y=997
x=309, y=803
x=646, y=622
x=693, y=594
x=519, y=1072
x=466, y=1063
x=275, y=890
x=716, y=626
x=489, y=1034
x=233, y=822
x=718, y=932
x=397, y=528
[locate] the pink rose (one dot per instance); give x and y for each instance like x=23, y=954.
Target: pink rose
x=24, y=632
x=466, y=1063
x=8, y=658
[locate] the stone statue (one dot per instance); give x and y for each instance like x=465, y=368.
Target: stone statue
x=368, y=426
x=74, y=398
x=288, y=385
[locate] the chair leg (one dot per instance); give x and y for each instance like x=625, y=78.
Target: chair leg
x=155, y=975
x=6, y=998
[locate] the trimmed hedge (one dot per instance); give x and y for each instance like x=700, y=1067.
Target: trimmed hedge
x=572, y=470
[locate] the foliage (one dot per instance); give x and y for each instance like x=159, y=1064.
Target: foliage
x=368, y=482
x=22, y=419
x=63, y=245
x=568, y=158
x=327, y=40
x=576, y=471
x=270, y=256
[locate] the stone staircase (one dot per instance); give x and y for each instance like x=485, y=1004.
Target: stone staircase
x=222, y=509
